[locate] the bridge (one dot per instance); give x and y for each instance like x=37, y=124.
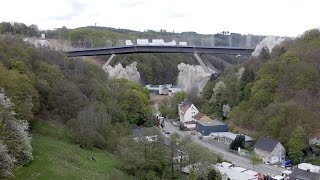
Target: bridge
x=160, y=49
x=196, y=50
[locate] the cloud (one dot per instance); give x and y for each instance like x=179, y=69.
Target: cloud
x=179, y=15
x=203, y=16
x=75, y=9
x=131, y=4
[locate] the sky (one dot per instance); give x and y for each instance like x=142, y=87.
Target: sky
x=259, y=17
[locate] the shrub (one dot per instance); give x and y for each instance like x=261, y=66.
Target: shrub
x=6, y=162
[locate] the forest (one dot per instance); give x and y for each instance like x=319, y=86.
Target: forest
x=275, y=95
x=40, y=87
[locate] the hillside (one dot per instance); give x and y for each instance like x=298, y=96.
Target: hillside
x=92, y=36
x=154, y=68
x=276, y=95
x=55, y=158
x=42, y=85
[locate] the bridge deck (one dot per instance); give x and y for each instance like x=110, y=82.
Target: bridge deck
x=160, y=49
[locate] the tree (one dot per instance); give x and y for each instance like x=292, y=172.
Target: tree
x=296, y=144
x=163, y=108
x=239, y=142
x=201, y=158
x=264, y=54
x=214, y=175
x=255, y=159
x=192, y=174
x=6, y=162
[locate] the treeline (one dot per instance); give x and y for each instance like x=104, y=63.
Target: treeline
x=19, y=29
x=42, y=85
x=166, y=158
x=276, y=94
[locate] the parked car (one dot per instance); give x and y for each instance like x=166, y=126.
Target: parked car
x=286, y=164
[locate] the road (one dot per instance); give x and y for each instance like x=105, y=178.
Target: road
x=234, y=158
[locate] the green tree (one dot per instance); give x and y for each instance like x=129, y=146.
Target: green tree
x=255, y=159
x=238, y=142
x=296, y=144
x=192, y=174
x=264, y=54
x=214, y=175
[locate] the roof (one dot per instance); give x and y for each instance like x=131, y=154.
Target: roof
x=235, y=172
x=198, y=116
x=311, y=167
x=185, y=106
x=266, y=144
x=229, y=135
x=186, y=103
x=316, y=133
x=209, y=122
x=189, y=122
x=303, y=175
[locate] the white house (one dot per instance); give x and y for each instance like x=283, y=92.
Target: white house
x=186, y=112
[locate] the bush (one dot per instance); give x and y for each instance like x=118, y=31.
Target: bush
x=6, y=162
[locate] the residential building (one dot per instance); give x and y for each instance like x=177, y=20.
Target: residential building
x=205, y=126
x=270, y=150
x=228, y=137
x=166, y=89
x=315, y=139
x=300, y=174
x=187, y=111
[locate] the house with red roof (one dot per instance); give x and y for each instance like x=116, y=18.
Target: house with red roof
x=188, y=114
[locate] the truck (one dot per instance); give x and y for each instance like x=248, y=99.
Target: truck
x=142, y=42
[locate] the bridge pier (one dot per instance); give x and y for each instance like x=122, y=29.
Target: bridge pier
x=204, y=66
x=108, y=62
x=207, y=62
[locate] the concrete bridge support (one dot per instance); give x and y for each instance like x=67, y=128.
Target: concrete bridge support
x=206, y=69
x=109, y=60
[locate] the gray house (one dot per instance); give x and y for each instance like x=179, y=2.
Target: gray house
x=300, y=174
x=206, y=126
x=270, y=150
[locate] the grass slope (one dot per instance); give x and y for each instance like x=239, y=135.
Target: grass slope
x=58, y=159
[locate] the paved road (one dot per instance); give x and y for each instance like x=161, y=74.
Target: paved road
x=234, y=158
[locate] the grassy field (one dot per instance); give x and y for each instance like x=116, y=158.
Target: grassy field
x=55, y=158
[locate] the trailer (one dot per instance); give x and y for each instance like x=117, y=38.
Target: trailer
x=142, y=42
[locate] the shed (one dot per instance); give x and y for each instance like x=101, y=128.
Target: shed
x=206, y=126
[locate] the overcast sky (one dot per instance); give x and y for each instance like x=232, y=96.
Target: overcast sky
x=260, y=17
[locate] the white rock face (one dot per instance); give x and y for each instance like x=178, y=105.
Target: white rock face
x=129, y=72
x=192, y=77
x=38, y=42
x=269, y=41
